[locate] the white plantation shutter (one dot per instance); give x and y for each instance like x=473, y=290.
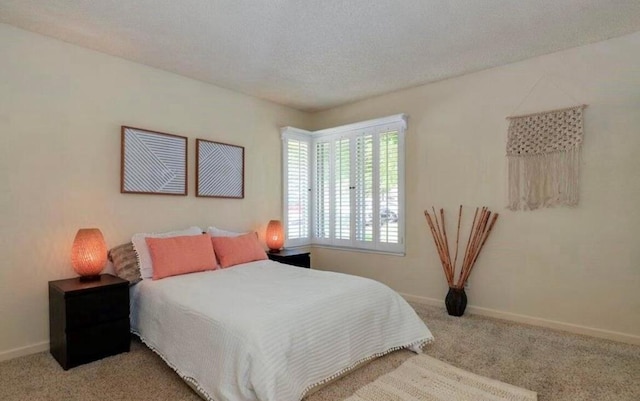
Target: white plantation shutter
x=342, y=190
x=296, y=155
x=322, y=192
x=357, y=194
x=366, y=219
x=388, y=187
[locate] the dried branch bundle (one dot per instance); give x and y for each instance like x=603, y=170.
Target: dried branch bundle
x=481, y=227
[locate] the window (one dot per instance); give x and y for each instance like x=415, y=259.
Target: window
x=344, y=186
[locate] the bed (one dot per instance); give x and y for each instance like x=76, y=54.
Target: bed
x=268, y=331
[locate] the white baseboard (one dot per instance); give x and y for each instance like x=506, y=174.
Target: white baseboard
x=535, y=321
x=26, y=350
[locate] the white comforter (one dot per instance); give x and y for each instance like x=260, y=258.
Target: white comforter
x=267, y=331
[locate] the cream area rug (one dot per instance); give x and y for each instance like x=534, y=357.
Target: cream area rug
x=423, y=378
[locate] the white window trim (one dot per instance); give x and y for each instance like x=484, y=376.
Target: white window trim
x=301, y=135
x=369, y=124
x=389, y=123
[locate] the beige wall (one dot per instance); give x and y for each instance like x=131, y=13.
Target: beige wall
x=577, y=266
x=61, y=108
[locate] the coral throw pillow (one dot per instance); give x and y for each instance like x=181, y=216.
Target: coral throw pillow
x=235, y=250
x=144, y=257
x=181, y=255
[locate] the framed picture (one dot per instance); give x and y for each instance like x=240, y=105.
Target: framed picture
x=219, y=170
x=153, y=162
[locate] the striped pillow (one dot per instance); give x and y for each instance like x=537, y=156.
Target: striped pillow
x=125, y=262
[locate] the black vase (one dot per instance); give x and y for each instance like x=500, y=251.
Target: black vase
x=456, y=301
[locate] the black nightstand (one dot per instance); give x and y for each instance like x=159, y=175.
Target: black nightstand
x=88, y=320
x=295, y=257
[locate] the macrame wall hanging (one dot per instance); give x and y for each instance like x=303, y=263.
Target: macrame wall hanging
x=543, y=152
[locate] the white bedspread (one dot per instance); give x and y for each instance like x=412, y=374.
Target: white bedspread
x=267, y=331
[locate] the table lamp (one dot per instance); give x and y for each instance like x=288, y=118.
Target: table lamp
x=89, y=254
x=275, y=235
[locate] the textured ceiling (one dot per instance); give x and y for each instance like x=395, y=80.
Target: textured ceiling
x=313, y=55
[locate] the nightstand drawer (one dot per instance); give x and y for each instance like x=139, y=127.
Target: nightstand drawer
x=96, y=307
x=95, y=342
x=297, y=260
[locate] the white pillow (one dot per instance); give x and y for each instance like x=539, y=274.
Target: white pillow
x=216, y=232
x=144, y=257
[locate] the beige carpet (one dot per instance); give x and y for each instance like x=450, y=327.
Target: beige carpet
x=558, y=366
x=423, y=378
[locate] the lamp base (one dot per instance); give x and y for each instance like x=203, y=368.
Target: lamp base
x=95, y=277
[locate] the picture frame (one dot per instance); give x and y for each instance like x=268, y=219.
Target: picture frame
x=152, y=162
x=219, y=170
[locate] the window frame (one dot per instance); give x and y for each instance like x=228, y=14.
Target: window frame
x=376, y=128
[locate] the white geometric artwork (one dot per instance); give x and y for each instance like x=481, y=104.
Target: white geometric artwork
x=219, y=170
x=153, y=162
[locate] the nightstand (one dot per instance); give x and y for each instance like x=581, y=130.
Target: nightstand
x=295, y=257
x=88, y=320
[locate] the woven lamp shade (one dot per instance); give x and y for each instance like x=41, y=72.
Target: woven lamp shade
x=275, y=235
x=89, y=253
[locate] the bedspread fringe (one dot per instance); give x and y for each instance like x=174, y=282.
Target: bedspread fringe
x=192, y=382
